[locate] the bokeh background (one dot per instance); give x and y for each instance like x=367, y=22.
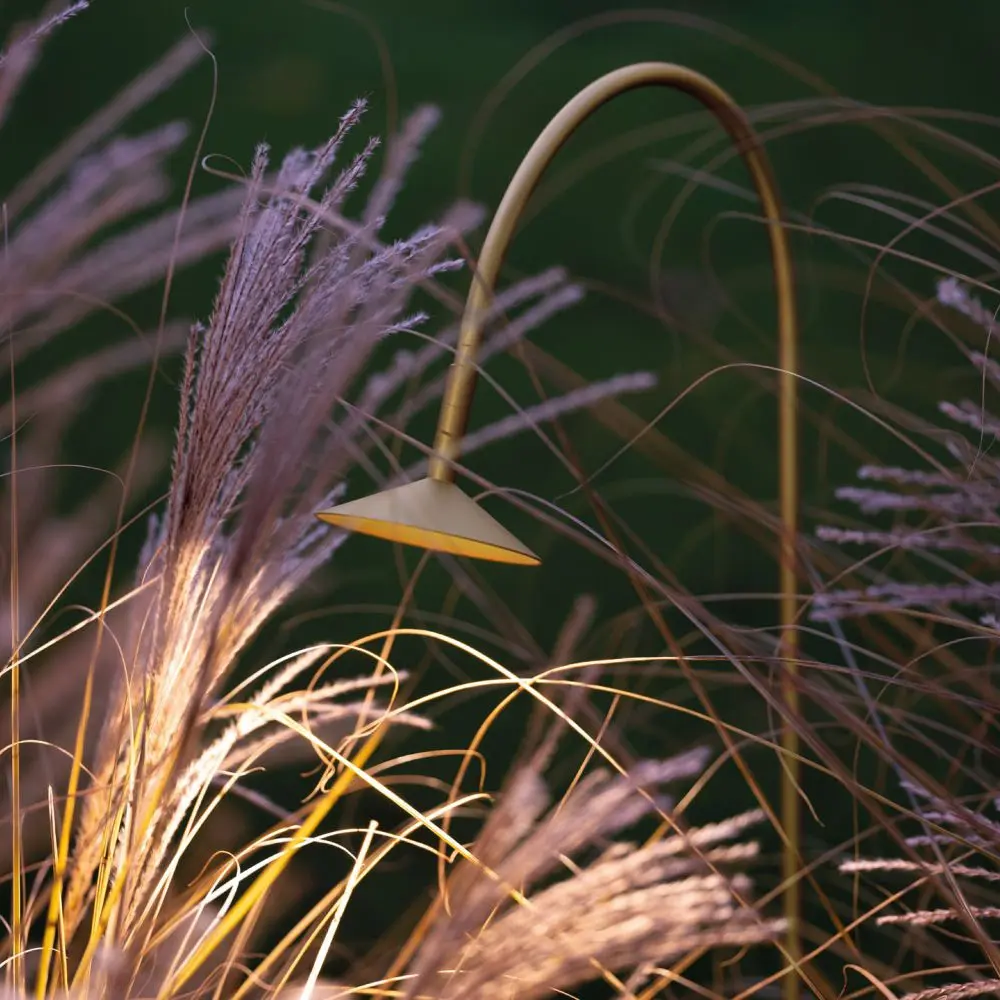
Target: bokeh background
x=287, y=69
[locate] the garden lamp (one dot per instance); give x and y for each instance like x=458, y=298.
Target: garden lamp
x=434, y=513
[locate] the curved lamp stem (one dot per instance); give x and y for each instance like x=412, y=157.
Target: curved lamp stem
x=462, y=377
x=434, y=513
x=461, y=382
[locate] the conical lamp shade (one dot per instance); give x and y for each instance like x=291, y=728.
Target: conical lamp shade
x=431, y=515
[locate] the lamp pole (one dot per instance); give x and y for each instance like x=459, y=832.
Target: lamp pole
x=433, y=513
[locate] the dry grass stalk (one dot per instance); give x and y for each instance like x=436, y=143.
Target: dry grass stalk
x=275, y=415
x=571, y=921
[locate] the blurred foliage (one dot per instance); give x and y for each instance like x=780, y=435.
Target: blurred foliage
x=287, y=69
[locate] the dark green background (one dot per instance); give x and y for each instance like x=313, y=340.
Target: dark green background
x=288, y=69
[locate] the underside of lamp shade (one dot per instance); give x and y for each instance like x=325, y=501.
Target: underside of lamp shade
x=432, y=515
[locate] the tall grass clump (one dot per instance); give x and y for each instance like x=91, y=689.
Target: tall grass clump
x=928, y=531
x=141, y=710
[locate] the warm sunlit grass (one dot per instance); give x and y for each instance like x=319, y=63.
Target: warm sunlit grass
x=189, y=813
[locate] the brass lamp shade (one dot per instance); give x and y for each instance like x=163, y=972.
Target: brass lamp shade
x=435, y=515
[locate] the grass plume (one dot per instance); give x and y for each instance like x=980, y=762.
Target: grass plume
x=282, y=406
